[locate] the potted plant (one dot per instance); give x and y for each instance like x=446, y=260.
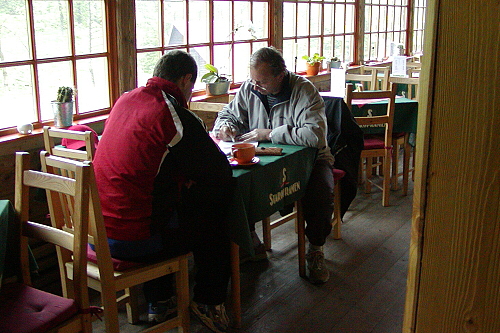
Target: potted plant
x=63, y=107
x=217, y=84
x=335, y=62
x=313, y=63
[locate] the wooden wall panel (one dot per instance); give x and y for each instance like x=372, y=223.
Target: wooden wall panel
x=456, y=280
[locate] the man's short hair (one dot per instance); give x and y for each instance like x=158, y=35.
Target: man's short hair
x=175, y=64
x=272, y=57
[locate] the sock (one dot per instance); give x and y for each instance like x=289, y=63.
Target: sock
x=313, y=248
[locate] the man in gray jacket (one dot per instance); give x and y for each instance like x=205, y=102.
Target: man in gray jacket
x=284, y=108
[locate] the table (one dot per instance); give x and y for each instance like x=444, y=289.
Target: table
x=405, y=116
x=261, y=190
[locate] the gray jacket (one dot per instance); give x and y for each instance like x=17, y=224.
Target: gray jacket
x=297, y=119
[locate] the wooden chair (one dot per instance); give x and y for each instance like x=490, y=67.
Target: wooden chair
x=381, y=76
x=24, y=308
x=402, y=139
x=375, y=146
x=207, y=111
x=363, y=81
x=50, y=135
x=108, y=275
x=296, y=214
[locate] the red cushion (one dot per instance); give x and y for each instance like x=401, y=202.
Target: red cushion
x=373, y=143
x=338, y=174
x=118, y=265
x=26, y=309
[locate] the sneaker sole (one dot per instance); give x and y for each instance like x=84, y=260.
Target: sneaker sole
x=160, y=318
x=204, y=319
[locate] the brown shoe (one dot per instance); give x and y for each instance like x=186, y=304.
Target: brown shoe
x=259, y=251
x=318, y=273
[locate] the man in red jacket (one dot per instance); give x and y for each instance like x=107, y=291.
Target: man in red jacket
x=163, y=183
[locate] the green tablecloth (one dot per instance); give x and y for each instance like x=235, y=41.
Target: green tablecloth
x=405, y=116
x=266, y=187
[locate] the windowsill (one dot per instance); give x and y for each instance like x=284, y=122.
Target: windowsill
x=11, y=143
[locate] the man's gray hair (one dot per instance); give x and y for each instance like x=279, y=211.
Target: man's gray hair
x=272, y=57
x=174, y=65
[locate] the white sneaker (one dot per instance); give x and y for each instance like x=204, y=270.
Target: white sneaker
x=318, y=273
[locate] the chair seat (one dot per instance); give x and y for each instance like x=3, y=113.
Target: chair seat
x=36, y=310
x=373, y=142
x=338, y=174
x=118, y=265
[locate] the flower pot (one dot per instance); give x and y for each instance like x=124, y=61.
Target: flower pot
x=313, y=69
x=218, y=88
x=335, y=64
x=63, y=113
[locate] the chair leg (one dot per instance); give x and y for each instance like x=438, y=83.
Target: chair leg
x=406, y=166
x=337, y=220
x=132, y=304
x=368, y=175
x=301, y=239
x=395, y=164
x=108, y=298
x=386, y=185
x=266, y=233
x=182, y=286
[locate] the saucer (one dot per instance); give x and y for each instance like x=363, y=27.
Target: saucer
x=233, y=162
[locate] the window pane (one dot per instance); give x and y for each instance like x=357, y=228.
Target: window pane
x=202, y=56
x=49, y=83
x=349, y=19
x=289, y=19
x=92, y=79
x=222, y=56
x=329, y=18
x=16, y=96
x=315, y=19
x=14, y=31
x=198, y=22
x=242, y=23
x=289, y=54
x=90, y=27
x=303, y=19
x=242, y=54
x=260, y=20
x=145, y=65
x=339, y=19
x=222, y=17
x=175, y=23
x=51, y=28
x=147, y=23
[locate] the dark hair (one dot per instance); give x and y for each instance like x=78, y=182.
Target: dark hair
x=175, y=64
x=272, y=57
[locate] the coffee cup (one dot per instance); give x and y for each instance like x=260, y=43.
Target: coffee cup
x=25, y=128
x=243, y=152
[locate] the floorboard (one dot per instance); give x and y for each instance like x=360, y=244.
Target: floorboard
x=366, y=290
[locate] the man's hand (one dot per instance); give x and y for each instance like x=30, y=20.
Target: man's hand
x=226, y=134
x=258, y=134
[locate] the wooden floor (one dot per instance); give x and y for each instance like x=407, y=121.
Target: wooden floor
x=367, y=285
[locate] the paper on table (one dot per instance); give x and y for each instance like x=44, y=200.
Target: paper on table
x=225, y=146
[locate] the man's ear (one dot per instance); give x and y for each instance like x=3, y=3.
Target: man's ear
x=186, y=80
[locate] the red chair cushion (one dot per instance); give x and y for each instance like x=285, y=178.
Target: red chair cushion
x=373, y=143
x=118, y=265
x=26, y=309
x=338, y=174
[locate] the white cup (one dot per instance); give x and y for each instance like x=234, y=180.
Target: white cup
x=25, y=128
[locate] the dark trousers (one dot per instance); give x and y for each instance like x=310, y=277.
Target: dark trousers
x=317, y=203
x=197, y=225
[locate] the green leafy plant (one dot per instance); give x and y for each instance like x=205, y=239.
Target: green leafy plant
x=313, y=59
x=213, y=75
x=65, y=94
x=335, y=59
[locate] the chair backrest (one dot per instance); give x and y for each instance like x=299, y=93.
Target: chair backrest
x=381, y=76
x=207, y=111
x=51, y=134
x=385, y=120
x=411, y=82
x=71, y=244
x=363, y=81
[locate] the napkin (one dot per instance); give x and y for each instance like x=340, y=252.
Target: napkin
x=268, y=151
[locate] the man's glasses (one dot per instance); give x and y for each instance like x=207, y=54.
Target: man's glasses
x=256, y=84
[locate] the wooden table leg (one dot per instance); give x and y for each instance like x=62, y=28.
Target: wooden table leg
x=235, y=284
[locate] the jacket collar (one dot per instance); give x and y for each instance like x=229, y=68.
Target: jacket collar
x=169, y=88
x=282, y=96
